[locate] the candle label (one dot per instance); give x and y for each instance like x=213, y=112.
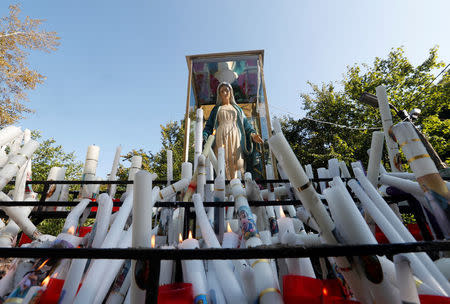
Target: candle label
x=201, y=299
x=247, y=222
x=121, y=277
x=273, y=225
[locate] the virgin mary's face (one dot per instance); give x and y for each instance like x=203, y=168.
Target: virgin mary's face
x=224, y=93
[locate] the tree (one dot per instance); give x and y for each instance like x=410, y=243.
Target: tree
x=50, y=155
x=17, y=38
x=172, y=138
x=348, y=134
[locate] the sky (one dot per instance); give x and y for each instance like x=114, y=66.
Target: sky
x=120, y=71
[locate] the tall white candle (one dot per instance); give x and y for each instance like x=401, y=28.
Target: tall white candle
x=102, y=219
x=16, y=162
x=393, y=235
x=333, y=167
x=136, y=165
x=198, y=136
x=376, y=152
x=20, y=216
x=232, y=291
x=221, y=161
x=344, y=170
x=113, y=173
x=300, y=181
x=118, y=294
x=405, y=279
x=355, y=231
x=8, y=134
x=194, y=273
x=166, y=193
x=386, y=119
x=113, y=268
x=402, y=184
x=90, y=168
x=201, y=178
x=169, y=166
x=323, y=173
x=91, y=282
x=402, y=230
x=142, y=215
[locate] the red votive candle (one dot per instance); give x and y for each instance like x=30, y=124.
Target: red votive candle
x=300, y=289
x=51, y=294
x=176, y=293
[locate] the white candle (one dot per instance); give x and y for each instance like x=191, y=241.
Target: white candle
x=201, y=178
x=20, y=216
x=169, y=166
x=194, y=273
x=168, y=192
x=230, y=239
x=113, y=173
x=394, y=235
x=198, y=136
x=306, y=218
x=402, y=184
x=333, y=167
x=113, y=267
x=303, y=191
x=102, y=219
x=354, y=229
x=142, y=213
x=323, y=173
x=119, y=292
x=16, y=162
x=90, y=168
x=215, y=290
x=344, y=170
x=165, y=276
x=402, y=230
x=136, y=165
x=186, y=170
x=56, y=173
x=7, y=134
x=231, y=287
x=221, y=161
x=386, y=119
x=90, y=283
x=73, y=217
x=405, y=279
x=376, y=152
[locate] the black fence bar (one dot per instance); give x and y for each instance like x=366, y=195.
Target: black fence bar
x=225, y=254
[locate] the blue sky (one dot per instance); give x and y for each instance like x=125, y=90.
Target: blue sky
x=121, y=72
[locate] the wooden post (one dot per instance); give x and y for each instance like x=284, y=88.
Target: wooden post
x=186, y=117
x=269, y=125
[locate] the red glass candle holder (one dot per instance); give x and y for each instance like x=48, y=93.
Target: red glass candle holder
x=176, y=293
x=52, y=292
x=300, y=289
x=429, y=299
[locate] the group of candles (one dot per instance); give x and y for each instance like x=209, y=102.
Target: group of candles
x=371, y=279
